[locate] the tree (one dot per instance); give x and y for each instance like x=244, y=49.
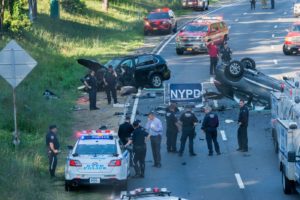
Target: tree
x=105, y=5
x=32, y=9
x=2, y=15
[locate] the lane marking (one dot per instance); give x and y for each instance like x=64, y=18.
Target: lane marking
x=173, y=36
x=285, y=13
x=224, y=137
x=135, y=105
x=239, y=180
x=211, y=79
x=272, y=47
x=236, y=20
x=275, y=26
x=215, y=103
x=113, y=195
x=229, y=27
x=273, y=35
x=275, y=61
x=245, y=13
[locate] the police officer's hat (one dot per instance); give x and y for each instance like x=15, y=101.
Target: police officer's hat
x=53, y=126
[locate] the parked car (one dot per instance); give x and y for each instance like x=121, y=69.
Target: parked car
x=240, y=80
x=297, y=8
x=136, y=70
x=194, y=36
x=160, y=20
x=292, y=40
x=196, y=4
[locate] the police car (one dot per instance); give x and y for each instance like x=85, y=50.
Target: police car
x=149, y=193
x=97, y=158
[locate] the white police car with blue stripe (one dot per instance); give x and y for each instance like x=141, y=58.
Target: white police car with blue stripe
x=97, y=158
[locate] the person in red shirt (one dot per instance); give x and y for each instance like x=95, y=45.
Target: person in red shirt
x=213, y=54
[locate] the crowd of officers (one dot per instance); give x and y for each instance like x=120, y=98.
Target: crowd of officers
x=137, y=136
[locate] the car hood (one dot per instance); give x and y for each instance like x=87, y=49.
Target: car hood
x=91, y=64
x=158, y=21
x=293, y=34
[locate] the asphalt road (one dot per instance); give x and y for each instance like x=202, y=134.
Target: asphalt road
x=233, y=175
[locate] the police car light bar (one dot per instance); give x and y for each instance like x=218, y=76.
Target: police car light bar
x=98, y=132
x=145, y=192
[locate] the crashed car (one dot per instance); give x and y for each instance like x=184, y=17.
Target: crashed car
x=149, y=194
x=136, y=70
x=240, y=80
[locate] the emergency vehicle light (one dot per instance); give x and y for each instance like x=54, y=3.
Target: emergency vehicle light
x=98, y=132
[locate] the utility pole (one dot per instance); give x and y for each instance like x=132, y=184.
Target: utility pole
x=32, y=9
x=2, y=16
x=105, y=5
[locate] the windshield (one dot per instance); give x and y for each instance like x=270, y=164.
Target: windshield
x=114, y=63
x=103, y=149
x=160, y=15
x=194, y=28
x=295, y=28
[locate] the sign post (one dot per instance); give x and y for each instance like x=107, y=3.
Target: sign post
x=15, y=65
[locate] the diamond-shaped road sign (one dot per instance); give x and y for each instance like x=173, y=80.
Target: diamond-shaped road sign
x=15, y=63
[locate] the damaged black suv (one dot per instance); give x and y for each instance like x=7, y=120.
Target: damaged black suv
x=137, y=70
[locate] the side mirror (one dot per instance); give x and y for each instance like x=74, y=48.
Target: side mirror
x=70, y=147
x=291, y=156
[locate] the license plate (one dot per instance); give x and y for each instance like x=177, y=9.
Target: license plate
x=94, y=180
x=189, y=49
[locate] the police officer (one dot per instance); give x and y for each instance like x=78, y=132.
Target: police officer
x=172, y=128
x=53, y=148
x=110, y=81
x=226, y=53
x=91, y=83
x=138, y=139
x=252, y=3
x=188, y=121
x=243, y=125
x=209, y=126
x=125, y=130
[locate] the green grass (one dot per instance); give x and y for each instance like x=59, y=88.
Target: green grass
x=56, y=44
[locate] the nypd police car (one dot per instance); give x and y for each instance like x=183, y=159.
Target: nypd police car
x=97, y=158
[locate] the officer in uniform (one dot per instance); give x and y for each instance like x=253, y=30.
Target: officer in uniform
x=125, y=130
x=53, y=148
x=138, y=139
x=243, y=125
x=209, y=126
x=91, y=83
x=110, y=81
x=172, y=128
x=226, y=53
x=188, y=121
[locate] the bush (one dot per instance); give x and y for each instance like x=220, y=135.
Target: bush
x=73, y=6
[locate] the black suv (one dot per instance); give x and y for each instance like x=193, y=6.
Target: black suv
x=136, y=70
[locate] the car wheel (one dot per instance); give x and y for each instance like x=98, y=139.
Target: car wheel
x=179, y=51
x=123, y=185
x=286, y=51
x=156, y=81
x=248, y=63
x=68, y=187
x=234, y=69
x=287, y=185
x=175, y=28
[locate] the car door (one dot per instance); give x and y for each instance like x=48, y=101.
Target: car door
x=126, y=72
x=145, y=64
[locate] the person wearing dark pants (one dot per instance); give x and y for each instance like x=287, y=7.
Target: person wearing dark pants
x=272, y=4
x=172, y=128
x=52, y=144
x=213, y=55
x=252, y=3
x=91, y=83
x=110, y=81
x=243, y=125
x=155, y=129
x=125, y=130
x=138, y=138
x=188, y=122
x=209, y=126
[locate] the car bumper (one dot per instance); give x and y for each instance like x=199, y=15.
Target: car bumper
x=80, y=182
x=156, y=28
x=195, y=46
x=292, y=47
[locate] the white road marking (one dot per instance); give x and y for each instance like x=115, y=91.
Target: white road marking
x=272, y=47
x=173, y=36
x=215, y=103
x=229, y=27
x=135, y=105
x=275, y=26
x=211, y=80
x=236, y=20
x=273, y=35
x=245, y=13
x=275, y=61
x=113, y=195
x=222, y=132
x=239, y=181
x=285, y=13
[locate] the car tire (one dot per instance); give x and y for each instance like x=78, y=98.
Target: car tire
x=175, y=28
x=287, y=185
x=234, y=69
x=248, y=63
x=286, y=51
x=68, y=187
x=179, y=51
x=156, y=81
x=123, y=185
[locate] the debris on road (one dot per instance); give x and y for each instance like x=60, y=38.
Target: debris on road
x=50, y=95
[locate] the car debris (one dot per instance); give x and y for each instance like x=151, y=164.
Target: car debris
x=49, y=95
x=128, y=90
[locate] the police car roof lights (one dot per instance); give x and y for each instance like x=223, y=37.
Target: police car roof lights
x=146, y=192
x=107, y=132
